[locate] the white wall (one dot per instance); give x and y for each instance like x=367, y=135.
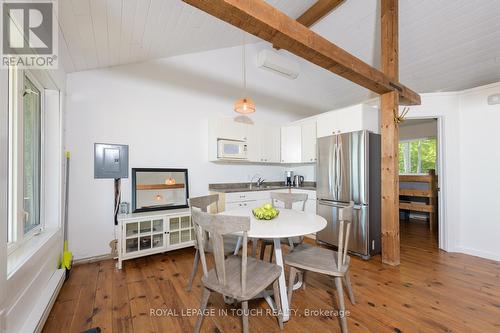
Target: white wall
x=470, y=168
x=480, y=173
x=161, y=110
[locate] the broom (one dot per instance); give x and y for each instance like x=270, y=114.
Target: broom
x=67, y=257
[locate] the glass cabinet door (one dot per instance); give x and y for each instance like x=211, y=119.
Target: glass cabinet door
x=144, y=235
x=157, y=240
x=131, y=245
x=185, y=222
x=145, y=227
x=174, y=237
x=185, y=235
x=157, y=226
x=174, y=223
x=131, y=229
x=145, y=242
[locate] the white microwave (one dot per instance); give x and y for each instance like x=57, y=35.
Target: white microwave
x=231, y=149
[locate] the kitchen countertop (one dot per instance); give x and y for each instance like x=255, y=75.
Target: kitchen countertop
x=267, y=186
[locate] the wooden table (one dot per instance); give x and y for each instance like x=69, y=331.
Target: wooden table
x=289, y=223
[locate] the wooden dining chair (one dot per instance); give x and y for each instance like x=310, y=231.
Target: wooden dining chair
x=288, y=199
x=230, y=241
x=328, y=262
x=229, y=276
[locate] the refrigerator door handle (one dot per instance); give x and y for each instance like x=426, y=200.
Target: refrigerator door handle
x=331, y=158
x=339, y=172
x=337, y=205
x=333, y=170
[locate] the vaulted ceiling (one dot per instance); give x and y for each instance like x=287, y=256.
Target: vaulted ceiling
x=102, y=33
x=445, y=45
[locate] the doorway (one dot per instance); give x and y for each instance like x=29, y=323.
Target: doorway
x=419, y=166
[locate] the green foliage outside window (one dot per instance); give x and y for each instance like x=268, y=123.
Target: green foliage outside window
x=417, y=156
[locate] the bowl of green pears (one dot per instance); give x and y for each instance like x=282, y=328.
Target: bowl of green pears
x=265, y=212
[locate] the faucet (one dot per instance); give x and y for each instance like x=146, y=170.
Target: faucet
x=259, y=181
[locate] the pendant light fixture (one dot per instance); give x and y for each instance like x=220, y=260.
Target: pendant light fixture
x=244, y=105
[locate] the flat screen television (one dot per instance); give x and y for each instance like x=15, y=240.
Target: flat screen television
x=159, y=189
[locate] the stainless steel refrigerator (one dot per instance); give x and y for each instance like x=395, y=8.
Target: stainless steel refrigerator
x=348, y=169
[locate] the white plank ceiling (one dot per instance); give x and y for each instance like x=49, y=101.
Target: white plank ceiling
x=444, y=44
x=103, y=33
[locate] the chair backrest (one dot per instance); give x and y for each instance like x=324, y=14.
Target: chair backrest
x=345, y=219
x=289, y=199
x=205, y=201
x=217, y=226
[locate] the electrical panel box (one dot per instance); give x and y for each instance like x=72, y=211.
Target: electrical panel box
x=110, y=161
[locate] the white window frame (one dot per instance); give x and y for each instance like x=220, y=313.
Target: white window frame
x=407, y=157
x=16, y=235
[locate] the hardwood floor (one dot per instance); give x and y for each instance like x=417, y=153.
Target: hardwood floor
x=432, y=291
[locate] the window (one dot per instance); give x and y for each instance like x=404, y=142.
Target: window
x=31, y=155
x=25, y=156
x=417, y=156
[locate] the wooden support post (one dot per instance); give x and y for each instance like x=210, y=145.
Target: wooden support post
x=390, y=179
x=389, y=105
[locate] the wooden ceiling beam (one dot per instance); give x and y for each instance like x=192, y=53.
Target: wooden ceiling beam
x=317, y=11
x=268, y=23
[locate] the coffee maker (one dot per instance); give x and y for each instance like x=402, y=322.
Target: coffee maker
x=289, y=178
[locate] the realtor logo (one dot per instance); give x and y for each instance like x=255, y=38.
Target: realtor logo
x=29, y=34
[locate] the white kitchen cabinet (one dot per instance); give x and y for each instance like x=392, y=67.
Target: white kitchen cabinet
x=263, y=141
x=264, y=144
x=350, y=119
x=308, y=144
x=327, y=124
x=254, y=143
x=232, y=130
x=291, y=144
x=254, y=199
x=270, y=144
x=224, y=128
x=240, y=205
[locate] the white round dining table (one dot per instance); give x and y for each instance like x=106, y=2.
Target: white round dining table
x=289, y=223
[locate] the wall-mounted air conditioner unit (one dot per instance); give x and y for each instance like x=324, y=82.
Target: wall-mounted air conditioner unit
x=278, y=64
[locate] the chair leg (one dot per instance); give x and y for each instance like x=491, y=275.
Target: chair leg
x=194, y=270
x=340, y=296
x=304, y=280
x=291, y=282
x=348, y=285
x=238, y=245
x=254, y=247
x=277, y=300
x=272, y=252
x=244, y=307
x=262, y=249
x=203, y=306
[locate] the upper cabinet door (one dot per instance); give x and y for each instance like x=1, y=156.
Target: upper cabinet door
x=327, y=124
x=232, y=130
x=309, y=141
x=270, y=144
x=254, y=143
x=291, y=144
x=350, y=119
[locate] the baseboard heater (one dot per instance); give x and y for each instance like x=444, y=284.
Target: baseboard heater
x=37, y=317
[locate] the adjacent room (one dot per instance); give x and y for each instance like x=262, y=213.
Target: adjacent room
x=249, y=166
